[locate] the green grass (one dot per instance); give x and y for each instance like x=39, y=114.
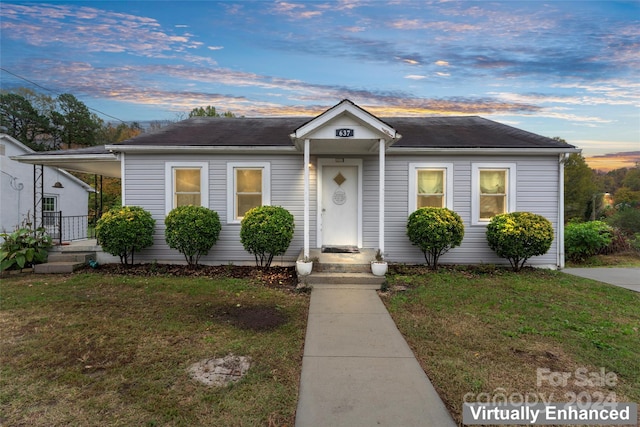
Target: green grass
x=623, y=259
x=484, y=330
x=89, y=349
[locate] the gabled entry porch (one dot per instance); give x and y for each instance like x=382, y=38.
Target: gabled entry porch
x=337, y=141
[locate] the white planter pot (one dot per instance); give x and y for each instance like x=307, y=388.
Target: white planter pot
x=304, y=268
x=379, y=268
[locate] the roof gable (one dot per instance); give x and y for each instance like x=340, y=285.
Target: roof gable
x=347, y=113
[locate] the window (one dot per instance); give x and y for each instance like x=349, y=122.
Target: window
x=493, y=190
x=49, y=204
x=430, y=185
x=49, y=207
x=247, y=188
x=186, y=183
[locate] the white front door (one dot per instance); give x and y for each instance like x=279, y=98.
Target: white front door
x=340, y=205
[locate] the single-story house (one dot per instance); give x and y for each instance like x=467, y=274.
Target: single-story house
x=60, y=191
x=348, y=177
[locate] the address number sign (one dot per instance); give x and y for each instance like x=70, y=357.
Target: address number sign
x=344, y=133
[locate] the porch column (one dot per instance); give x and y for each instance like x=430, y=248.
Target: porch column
x=381, y=166
x=306, y=197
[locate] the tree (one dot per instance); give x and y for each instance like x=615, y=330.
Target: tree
x=209, y=111
x=579, y=187
x=517, y=236
x=75, y=124
x=109, y=134
x=22, y=121
x=192, y=230
x=632, y=179
x=124, y=231
x=265, y=232
x=435, y=231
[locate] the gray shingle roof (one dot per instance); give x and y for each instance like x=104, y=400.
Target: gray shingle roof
x=417, y=132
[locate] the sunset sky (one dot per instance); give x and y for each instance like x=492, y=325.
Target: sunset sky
x=566, y=69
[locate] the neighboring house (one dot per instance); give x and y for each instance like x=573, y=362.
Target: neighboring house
x=61, y=192
x=348, y=177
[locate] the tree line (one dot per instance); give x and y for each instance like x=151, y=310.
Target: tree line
x=46, y=123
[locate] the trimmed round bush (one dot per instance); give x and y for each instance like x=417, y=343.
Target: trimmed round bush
x=123, y=231
x=265, y=232
x=582, y=240
x=192, y=230
x=518, y=236
x=435, y=231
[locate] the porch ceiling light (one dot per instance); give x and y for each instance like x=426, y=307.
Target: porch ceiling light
x=58, y=184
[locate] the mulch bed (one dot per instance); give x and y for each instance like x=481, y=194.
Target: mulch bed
x=274, y=277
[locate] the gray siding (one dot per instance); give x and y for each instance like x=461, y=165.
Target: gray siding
x=537, y=191
x=145, y=186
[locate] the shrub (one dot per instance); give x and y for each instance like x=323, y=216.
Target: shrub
x=582, y=240
x=192, y=230
x=123, y=231
x=265, y=232
x=619, y=243
x=24, y=248
x=627, y=219
x=518, y=236
x=435, y=231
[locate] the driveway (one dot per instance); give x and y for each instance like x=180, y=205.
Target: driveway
x=628, y=278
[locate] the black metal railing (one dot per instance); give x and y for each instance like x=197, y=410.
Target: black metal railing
x=68, y=228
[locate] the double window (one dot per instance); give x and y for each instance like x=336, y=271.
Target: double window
x=247, y=188
x=430, y=185
x=493, y=188
x=186, y=183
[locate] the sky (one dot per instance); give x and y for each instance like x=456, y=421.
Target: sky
x=568, y=69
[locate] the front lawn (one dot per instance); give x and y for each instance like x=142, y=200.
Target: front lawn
x=96, y=349
x=483, y=333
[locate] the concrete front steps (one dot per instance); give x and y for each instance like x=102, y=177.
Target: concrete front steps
x=344, y=271
x=64, y=262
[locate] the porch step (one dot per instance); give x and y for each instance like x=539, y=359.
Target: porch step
x=82, y=257
x=64, y=262
x=343, y=280
x=59, y=267
x=322, y=267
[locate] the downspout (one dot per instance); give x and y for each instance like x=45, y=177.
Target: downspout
x=561, y=161
x=381, y=177
x=123, y=180
x=306, y=198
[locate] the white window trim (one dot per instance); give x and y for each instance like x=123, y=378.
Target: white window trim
x=231, y=186
x=475, y=188
x=55, y=202
x=413, y=183
x=168, y=182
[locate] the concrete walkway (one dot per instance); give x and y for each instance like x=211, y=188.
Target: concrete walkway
x=628, y=278
x=357, y=368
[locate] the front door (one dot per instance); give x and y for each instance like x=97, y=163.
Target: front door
x=339, y=205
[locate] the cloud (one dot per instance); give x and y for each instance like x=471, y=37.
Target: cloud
x=91, y=30
x=215, y=47
x=415, y=77
x=143, y=85
x=294, y=10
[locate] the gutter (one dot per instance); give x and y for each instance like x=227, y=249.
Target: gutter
x=44, y=159
x=201, y=149
x=480, y=150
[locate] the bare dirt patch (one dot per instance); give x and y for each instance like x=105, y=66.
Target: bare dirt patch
x=255, y=318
